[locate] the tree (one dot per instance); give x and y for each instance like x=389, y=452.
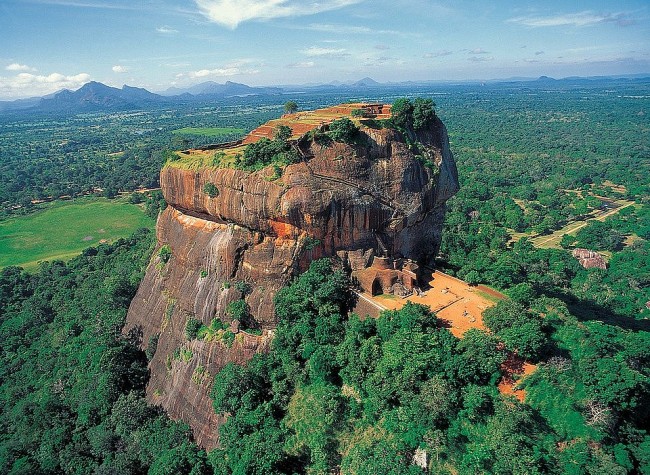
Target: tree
x=380, y=454
x=599, y=235
x=526, y=339
x=473, y=278
x=519, y=330
x=402, y=113
x=424, y=113
x=313, y=416
x=282, y=133
x=521, y=293
x=481, y=357
x=110, y=192
x=503, y=315
x=290, y=107
x=343, y=130
x=567, y=241
x=231, y=385
x=154, y=204
x=438, y=397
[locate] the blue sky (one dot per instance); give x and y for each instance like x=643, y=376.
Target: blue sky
x=47, y=45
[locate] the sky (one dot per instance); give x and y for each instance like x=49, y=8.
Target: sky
x=48, y=45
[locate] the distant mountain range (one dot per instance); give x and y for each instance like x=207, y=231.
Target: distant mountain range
x=229, y=89
x=91, y=96
x=95, y=96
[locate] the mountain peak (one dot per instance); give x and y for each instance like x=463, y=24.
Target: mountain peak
x=95, y=85
x=367, y=81
x=96, y=95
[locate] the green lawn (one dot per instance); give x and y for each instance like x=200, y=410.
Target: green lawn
x=208, y=131
x=64, y=229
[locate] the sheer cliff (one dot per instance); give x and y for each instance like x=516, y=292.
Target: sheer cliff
x=231, y=235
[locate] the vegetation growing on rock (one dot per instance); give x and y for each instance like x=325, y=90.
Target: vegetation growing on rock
x=266, y=152
x=211, y=190
x=343, y=130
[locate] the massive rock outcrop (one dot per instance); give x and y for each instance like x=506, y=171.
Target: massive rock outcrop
x=247, y=239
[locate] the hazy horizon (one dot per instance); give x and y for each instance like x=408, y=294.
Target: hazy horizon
x=50, y=45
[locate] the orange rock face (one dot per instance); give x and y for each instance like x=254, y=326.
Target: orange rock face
x=262, y=230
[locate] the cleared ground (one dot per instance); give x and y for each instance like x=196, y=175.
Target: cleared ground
x=64, y=229
x=514, y=369
x=457, y=304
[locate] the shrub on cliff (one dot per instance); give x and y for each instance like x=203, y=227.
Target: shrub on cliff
x=239, y=310
x=192, y=328
x=282, y=133
x=402, y=113
x=165, y=253
x=417, y=115
x=266, y=152
x=211, y=190
x=343, y=130
x=424, y=113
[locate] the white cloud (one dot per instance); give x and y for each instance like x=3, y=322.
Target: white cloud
x=438, y=54
x=302, y=65
x=166, y=30
x=324, y=52
x=220, y=72
x=231, y=13
x=480, y=59
x=478, y=51
x=340, y=29
x=585, y=18
x=119, y=69
x=73, y=3
x=382, y=61
x=19, y=67
x=28, y=84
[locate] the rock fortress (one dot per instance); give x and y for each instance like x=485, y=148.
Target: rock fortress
x=230, y=233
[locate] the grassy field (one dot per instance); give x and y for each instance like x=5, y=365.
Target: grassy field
x=208, y=131
x=64, y=229
x=198, y=159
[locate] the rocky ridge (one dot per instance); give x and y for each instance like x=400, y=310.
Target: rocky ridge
x=247, y=240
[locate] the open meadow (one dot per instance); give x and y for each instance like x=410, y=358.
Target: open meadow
x=64, y=228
